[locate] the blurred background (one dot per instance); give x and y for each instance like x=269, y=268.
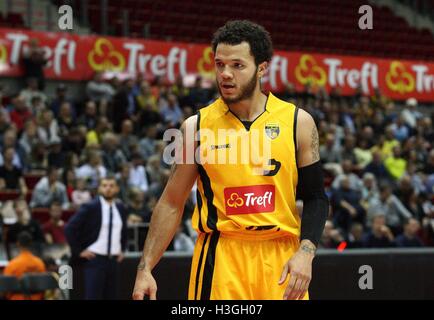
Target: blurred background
x=89, y=91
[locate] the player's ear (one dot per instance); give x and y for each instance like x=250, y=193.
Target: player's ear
x=262, y=69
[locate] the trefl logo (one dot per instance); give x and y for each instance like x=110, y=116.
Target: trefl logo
x=249, y=199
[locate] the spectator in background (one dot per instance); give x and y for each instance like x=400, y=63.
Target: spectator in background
x=36, y=105
x=54, y=229
x=38, y=158
x=181, y=91
x=348, y=149
x=20, y=112
x=95, y=136
x=124, y=104
x=68, y=179
x=198, y=96
x=48, y=128
x=400, y=130
x=426, y=128
x=29, y=138
x=147, y=143
x=127, y=138
x=390, y=206
x=138, y=211
x=75, y=141
x=377, y=168
x=409, y=238
x=48, y=190
x=112, y=156
x=355, y=236
x=182, y=242
x=429, y=166
x=31, y=91
x=65, y=119
x=81, y=195
x=380, y=235
x=347, y=207
x=24, y=223
x=10, y=141
x=355, y=182
x=153, y=170
x=61, y=98
x=369, y=190
x=123, y=181
x=89, y=118
x=145, y=100
x=330, y=151
x=56, y=158
x=171, y=112
x=138, y=176
x=11, y=177
x=362, y=153
x=396, y=164
x=34, y=61
x=98, y=90
x=331, y=237
x=24, y=263
x=5, y=121
x=406, y=193
x=389, y=143
x=93, y=170
x=289, y=93
x=410, y=115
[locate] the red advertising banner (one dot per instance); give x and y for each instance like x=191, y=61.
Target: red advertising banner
x=74, y=57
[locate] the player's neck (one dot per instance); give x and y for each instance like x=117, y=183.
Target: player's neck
x=250, y=109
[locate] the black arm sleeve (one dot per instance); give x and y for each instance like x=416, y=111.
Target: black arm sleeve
x=310, y=189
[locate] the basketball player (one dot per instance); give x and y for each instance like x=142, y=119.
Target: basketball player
x=252, y=243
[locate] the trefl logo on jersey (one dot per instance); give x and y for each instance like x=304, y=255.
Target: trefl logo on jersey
x=249, y=199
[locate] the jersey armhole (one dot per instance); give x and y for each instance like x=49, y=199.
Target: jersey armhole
x=294, y=134
x=198, y=139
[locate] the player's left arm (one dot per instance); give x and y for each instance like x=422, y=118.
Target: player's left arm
x=310, y=189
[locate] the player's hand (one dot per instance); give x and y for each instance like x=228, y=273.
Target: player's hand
x=145, y=285
x=86, y=254
x=299, y=268
x=120, y=257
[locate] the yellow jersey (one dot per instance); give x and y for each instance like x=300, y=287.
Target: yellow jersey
x=247, y=197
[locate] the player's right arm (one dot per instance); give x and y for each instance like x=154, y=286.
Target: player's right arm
x=167, y=213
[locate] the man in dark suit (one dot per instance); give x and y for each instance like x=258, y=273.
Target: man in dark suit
x=97, y=235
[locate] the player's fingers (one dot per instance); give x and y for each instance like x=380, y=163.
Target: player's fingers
x=138, y=295
x=294, y=292
x=290, y=287
x=153, y=294
x=301, y=284
x=284, y=274
x=305, y=288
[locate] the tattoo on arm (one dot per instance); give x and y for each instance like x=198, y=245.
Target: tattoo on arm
x=141, y=266
x=308, y=249
x=315, y=144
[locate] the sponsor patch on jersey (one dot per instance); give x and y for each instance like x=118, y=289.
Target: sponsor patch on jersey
x=249, y=199
x=272, y=130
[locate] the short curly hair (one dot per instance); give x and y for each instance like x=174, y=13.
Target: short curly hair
x=236, y=31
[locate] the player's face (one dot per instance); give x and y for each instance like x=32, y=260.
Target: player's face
x=236, y=72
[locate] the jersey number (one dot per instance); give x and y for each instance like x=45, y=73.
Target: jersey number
x=276, y=164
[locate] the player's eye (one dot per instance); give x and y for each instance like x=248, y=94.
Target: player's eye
x=238, y=65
